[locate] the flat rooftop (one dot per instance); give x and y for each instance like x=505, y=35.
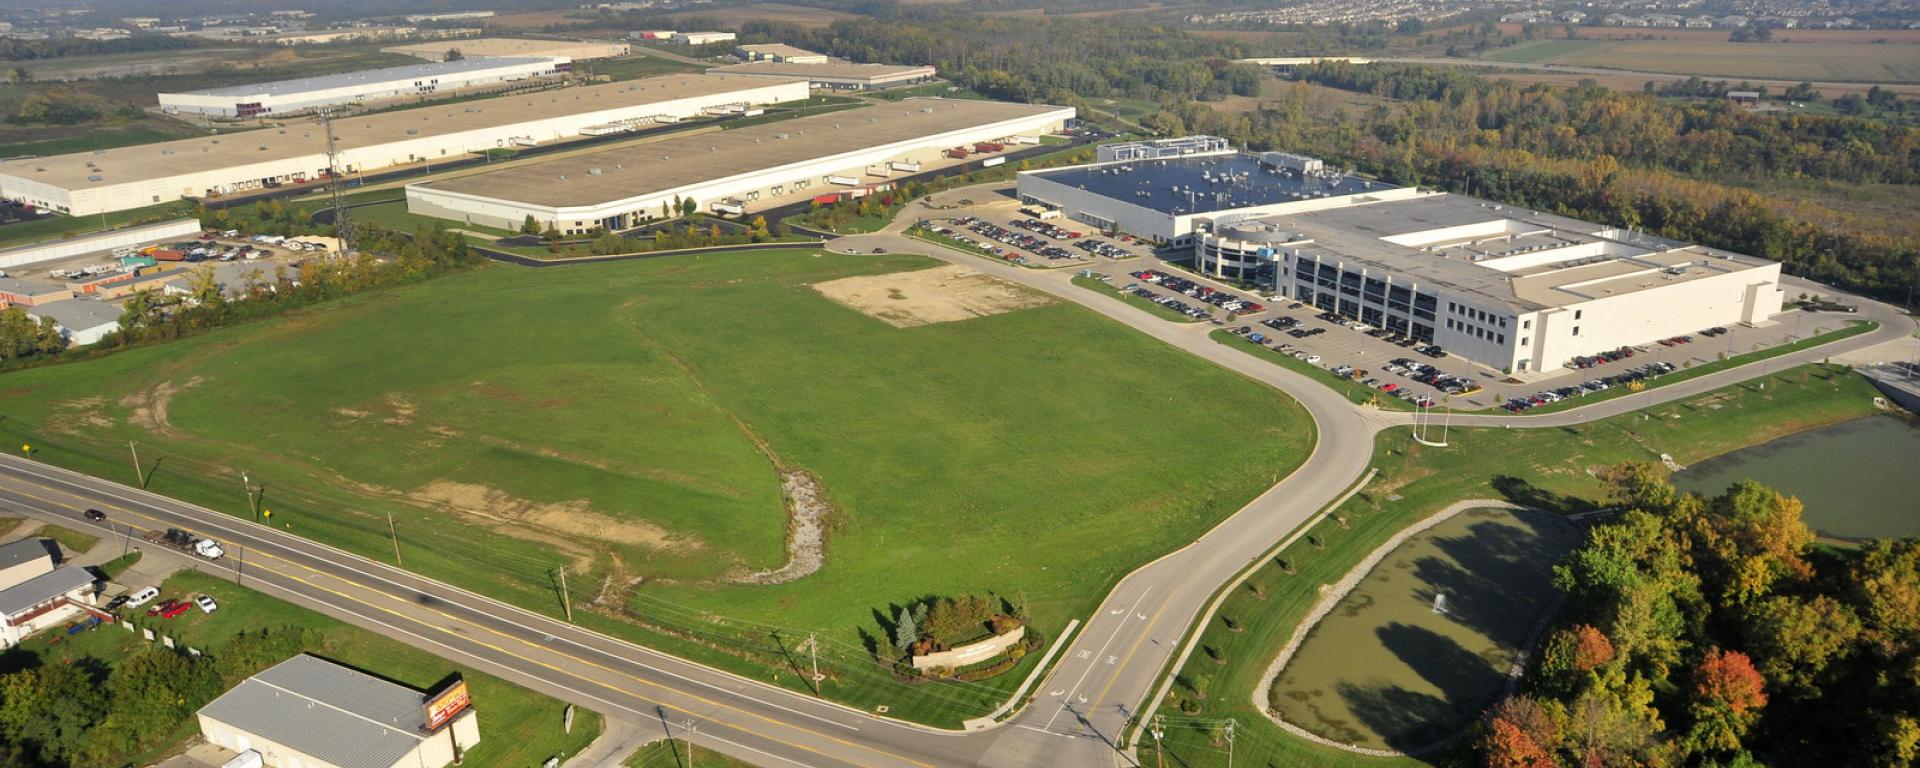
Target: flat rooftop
x=173, y=158
x=511, y=46
x=832, y=70
x=618, y=174
x=1522, y=258
x=1205, y=183
x=406, y=73
x=777, y=49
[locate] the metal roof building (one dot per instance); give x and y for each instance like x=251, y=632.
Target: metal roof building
x=835, y=75
x=577, y=50
x=310, y=712
x=43, y=601
x=210, y=166
x=285, y=96
x=618, y=188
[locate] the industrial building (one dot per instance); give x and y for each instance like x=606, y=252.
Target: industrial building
x=1516, y=290
x=835, y=75
x=35, y=595
x=701, y=38
x=780, y=52
x=619, y=188
x=306, y=712
x=1160, y=189
x=80, y=321
x=509, y=47
x=282, y=97
x=132, y=177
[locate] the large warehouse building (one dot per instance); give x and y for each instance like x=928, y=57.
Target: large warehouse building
x=131, y=177
x=1516, y=290
x=835, y=75
x=283, y=97
x=618, y=188
x=577, y=50
x=306, y=712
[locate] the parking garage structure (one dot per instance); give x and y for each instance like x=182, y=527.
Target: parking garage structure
x=1513, y=289
x=728, y=170
x=124, y=178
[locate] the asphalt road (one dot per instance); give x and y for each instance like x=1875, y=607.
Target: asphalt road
x=1076, y=716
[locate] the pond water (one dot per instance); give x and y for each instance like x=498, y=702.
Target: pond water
x=1855, y=478
x=1423, y=644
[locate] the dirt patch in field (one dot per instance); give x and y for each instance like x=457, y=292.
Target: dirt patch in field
x=570, y=518
x=403, y=410
x=148, y=409
x=70, y=417
x=939, y=295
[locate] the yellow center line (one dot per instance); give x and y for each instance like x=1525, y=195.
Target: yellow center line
x=1128, y=658
x=718, y=705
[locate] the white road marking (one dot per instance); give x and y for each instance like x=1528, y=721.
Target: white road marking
x=1103, y=650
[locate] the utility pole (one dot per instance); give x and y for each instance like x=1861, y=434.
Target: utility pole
x=688, y=729
x=566, y=602
x=1159, y=737
x=341, y=227
x=813, y=649
x=138, y=473
x=1230, y=724
x=239, y=563
x=395, y=533
x=253, y=504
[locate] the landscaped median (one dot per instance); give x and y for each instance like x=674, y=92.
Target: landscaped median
x=1546, y=469
x=1106, y=286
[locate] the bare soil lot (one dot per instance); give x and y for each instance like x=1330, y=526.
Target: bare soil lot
x=924, y=297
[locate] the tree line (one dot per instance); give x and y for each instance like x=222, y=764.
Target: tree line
x=15, y=49
x=1709, y=631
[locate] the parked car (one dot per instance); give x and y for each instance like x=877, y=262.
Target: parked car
x=142, y=597
x=206, y=603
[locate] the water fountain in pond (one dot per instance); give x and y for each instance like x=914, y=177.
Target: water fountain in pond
x=1440, y=604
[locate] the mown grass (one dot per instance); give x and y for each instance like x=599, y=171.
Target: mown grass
x=1546, y=468
x=630, y=421
x=72, y=542
x=1106, y=287
x=58, y=227
x=674, y=753
x=517, y=726
x=87, y=142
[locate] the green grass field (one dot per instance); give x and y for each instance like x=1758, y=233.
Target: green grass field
x=57, y=227
x=517, y=727
x=675, y=753
x=636, y=67
x=1544, y=468
x=1851, y=62
x=72, y=542
x=631, y=421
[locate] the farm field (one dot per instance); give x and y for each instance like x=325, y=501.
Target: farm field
x=634, y=422
x=517, y=726
x=734, y=16
x=1546, y=469
x=1852, y=36
x=1424, y=641
x=1894, y=62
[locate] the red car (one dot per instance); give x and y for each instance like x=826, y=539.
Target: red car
x=169, y=609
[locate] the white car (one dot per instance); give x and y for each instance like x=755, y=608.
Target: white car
x=1313, y=359
x=206, y=603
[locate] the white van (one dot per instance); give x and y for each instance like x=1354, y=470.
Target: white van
x=142, y=597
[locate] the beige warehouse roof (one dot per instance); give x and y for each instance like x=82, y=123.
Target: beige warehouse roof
x=777, y=49
x=173, y=158
x=643, y=170
x=834, y=70
x=512, y=46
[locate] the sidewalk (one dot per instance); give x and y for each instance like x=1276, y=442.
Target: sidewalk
x=618, y=740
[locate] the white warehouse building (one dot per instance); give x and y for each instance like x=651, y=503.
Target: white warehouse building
x=1516, y=290
x=131, y=177
x=619, y=188
x=282, y=97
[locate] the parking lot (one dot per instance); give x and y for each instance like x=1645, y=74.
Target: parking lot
x=985, y=218
x=1001, y=231
x=232, y=257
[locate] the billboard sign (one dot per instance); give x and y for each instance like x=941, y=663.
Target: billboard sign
x=451, y=701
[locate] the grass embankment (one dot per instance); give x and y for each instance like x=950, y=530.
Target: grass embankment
x=1353, y=390
x=59, y=227
x=674, y=753
x=1106, y=287
x=72, y=542
x=517, y=727
x=631, y=422
x=1545, y=468
x=119, y=565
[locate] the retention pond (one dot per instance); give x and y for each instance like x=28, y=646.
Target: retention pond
x=1855, y=478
